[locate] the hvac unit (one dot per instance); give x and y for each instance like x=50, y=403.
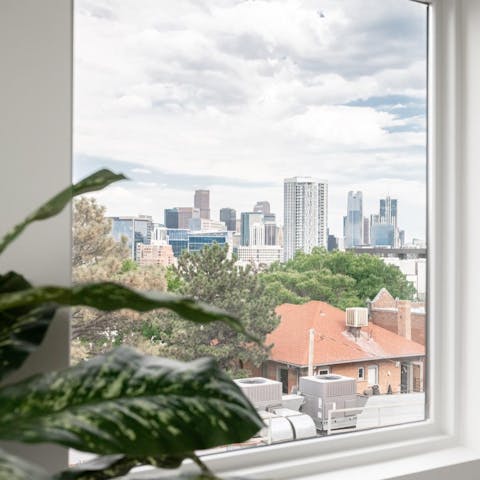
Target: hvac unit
x=262, y=392
x=328, y=393
x=357, y=317
x=276, y=429
x=303, y=426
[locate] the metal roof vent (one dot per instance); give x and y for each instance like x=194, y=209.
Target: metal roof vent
x=262, y=392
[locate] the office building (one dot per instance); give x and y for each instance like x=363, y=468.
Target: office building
x=382, y=235
x=271, y=233
x=178, y=239
x=134, y=229
x=179, y=217
x=366, y=231
x=388, y=211
x=229, y=217
x=262, y=207
x=155, y=255
x=202, y=202
x=257, y=234
x=260, y=255
x=332, y=243
x=204, y=224
x=159, y=235
x=353, y=222
x=248, y=219
x=198, y=240
x=305, y=215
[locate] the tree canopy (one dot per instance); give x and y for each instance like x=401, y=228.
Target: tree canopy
x=343, y=279
x=97, y=257
x=210, y=276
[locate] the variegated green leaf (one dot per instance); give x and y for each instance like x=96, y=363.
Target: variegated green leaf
x=124, y=402
x=108, y=296
x=21, y=330
x=55, y=205
x=15, y=468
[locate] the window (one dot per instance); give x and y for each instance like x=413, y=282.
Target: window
x=220, y=117
x=421, y=439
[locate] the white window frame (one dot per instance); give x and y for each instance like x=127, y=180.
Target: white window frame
x=362, y=377
x=450, y=438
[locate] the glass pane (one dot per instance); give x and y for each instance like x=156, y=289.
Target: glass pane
x=277, y=159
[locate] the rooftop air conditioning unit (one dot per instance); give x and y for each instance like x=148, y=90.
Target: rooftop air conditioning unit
x=357, y=317
x=328, y=393
x=262, y=392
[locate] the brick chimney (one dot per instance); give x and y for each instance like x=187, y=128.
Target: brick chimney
x=404, y=319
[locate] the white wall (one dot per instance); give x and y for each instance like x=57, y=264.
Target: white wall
x=35, y=158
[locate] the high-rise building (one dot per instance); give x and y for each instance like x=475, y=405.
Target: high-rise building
x=382, y=235
x=305, y=215
x=262, y=207
x=159, y=235
x=179, y=217
x=134, y=229
x=202, y=202
x=354, y=220
x=206, y=225
x=366, y=231
x=271, y=233
x=388, y=215
x=257, y=234
x=229, y=216
x=332, y=243
x=247, y=220
x=171, y=218
x=388, y=211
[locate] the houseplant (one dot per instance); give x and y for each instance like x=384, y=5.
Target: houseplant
x=128, y=408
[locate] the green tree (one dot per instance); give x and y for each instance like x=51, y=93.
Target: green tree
x=343, y=279
x=212, y=277
x=97, y=257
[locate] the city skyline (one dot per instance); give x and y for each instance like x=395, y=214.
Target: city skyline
x=216, y=101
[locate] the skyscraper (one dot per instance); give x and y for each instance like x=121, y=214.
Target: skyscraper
x=179, y=217
x=248, y=219
x=262, y=207
x=354, y=220
x=135, y=229
x=229, y=216
x=388, y=216
x=305, y=215
x=202, y=202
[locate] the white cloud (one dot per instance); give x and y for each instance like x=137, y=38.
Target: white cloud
x=254, y=90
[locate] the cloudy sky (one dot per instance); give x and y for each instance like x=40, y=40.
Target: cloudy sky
x=236, y=95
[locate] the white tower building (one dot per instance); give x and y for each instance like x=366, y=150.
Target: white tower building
x=305, y=215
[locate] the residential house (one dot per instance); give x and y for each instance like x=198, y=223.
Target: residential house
x=380, y=360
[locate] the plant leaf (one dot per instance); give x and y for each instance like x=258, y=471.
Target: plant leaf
x=108, y=296
x=21, y=329
x=15, y=468
x=55, y=205
x=124, y=402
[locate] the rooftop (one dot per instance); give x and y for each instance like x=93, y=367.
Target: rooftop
x=332, y=342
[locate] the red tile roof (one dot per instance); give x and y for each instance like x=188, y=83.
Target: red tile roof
x=332, y=342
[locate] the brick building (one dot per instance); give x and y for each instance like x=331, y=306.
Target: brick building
x=373, y=355
x=158, y=255
x=403, y=317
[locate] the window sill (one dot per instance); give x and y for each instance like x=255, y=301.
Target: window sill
x=402, y=459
